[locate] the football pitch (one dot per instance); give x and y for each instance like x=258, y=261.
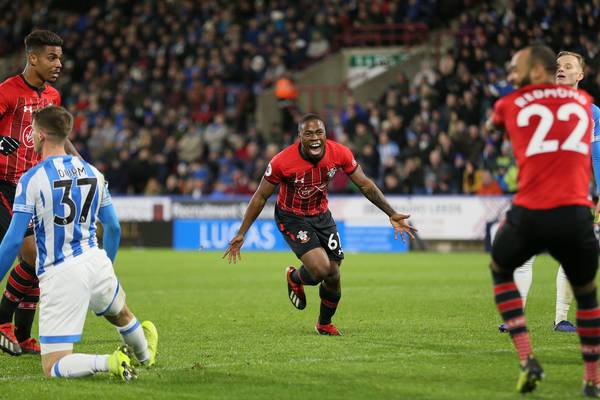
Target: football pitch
x=417, y=326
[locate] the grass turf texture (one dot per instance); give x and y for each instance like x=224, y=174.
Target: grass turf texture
x=417, y=326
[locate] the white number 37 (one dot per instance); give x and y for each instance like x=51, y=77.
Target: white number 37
x=538, y=144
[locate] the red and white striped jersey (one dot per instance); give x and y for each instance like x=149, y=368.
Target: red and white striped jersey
x=18, y=100
x=303, y=182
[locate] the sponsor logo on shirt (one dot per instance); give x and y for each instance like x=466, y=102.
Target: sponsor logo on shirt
x=269, y=170
x=308, y=191
x=27, y=138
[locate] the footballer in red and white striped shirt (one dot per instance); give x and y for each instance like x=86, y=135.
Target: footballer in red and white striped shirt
x=303, y=171
x=20, y=96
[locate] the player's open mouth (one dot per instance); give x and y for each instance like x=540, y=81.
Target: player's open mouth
x=561, y=76
x=315, y=148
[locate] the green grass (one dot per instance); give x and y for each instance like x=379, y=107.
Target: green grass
x=418, y=326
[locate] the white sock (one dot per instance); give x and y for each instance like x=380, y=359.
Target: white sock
x=523, y=276
x=564, y=296
x=79, y=365
x=133, y=335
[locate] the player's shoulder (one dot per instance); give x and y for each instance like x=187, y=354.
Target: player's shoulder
x=337, y=150
x=90, y=168
x=27, y=177
x=10, y=81
x=335, y=145
x=9, y=86
x=506, y=99
x=288, y=152
x=94, y=170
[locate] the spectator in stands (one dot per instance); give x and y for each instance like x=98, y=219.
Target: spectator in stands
x=147, y=101
x=318, y=46
x=488, y=186
x=190, y=146
x=368, y=159
x=215, y=134
x=411, y=176
x=391, y=184
x=387, y=149
x=472, y=178
x=287, y=96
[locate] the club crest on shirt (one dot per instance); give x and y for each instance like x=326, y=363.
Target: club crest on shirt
x=27, y=138
x=303, y=236
x=331, y=172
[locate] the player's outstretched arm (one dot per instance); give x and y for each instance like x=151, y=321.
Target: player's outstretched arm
x=112, y=230
x=255, y=206
x=370, y=190
x=12, y=240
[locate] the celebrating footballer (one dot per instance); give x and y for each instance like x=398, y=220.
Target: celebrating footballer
x=303, y=171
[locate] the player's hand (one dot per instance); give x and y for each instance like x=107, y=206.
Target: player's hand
x=401, y=226
x=233, y=250
x=8, y=145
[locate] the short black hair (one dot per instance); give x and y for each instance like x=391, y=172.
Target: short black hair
x=39, y=38
x=542, y=54
x=308, y=117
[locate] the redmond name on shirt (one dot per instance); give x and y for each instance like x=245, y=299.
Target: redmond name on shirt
x=556, y=93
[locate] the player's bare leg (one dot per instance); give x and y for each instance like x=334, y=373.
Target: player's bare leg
x=588, y=328
x=510, y=305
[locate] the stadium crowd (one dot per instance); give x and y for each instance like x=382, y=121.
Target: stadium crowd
x=163, y=95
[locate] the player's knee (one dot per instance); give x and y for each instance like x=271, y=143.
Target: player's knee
x=333, y=272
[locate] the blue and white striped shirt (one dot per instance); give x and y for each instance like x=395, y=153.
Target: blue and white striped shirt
x=64, y=194
x=596, y=145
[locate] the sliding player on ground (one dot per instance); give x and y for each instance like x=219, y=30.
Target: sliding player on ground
x=65, y=196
